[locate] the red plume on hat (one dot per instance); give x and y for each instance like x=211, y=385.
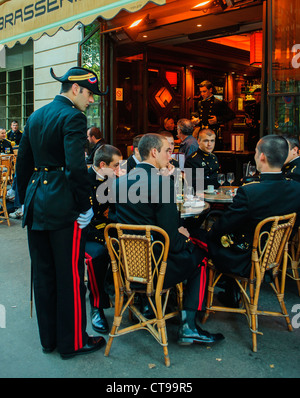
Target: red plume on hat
x=83, y=77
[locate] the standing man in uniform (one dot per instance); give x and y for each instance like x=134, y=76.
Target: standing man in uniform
x=54, y=187
x=211, y=111
x=14, y=134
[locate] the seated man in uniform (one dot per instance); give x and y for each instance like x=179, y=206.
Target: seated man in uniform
x=105, y=166
x=272, y=195
x=5, y=145
x=204, y=158
x=14, y=134
x=291, y=168
x=186, y=261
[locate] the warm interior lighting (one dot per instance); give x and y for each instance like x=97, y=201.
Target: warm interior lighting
x=172, y=78
x=256, y=49
x=163, y=97
x=135, y=23
x=202, y=4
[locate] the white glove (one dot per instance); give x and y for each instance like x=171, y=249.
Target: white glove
x=85, y=218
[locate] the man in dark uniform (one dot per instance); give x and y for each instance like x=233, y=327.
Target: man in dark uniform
x=186, y=261
x=54, y=187
x=211, y=111
x=272, y=195
x=291, y=168
x=252, y=112
x=95, y=139
x=106, y=164
x=204, y=158
x=14, y=134
x=5, y=145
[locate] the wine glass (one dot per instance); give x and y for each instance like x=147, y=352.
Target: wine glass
x=230, y=178
x=221, y=178
x=190, y=193
x=252, y=170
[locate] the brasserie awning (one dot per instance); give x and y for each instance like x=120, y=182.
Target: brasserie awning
x=24, y=19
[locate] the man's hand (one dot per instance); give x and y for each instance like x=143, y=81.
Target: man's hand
x=184, y=231
x=213, y=120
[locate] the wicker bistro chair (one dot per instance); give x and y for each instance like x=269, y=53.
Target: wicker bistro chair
x=136, y=269
x=269, y=255
x=3, y=188
x=294, y=257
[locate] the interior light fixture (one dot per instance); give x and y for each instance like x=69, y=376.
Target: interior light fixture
x=204, y=5
x=201, y=5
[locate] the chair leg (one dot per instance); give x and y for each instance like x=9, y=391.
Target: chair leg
x=210, y=294
x=162, y=329
x=116, y=322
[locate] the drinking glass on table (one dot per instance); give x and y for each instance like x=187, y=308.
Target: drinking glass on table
x=230, y=178
x=221, y=179
x=252, y=170
x=189, y=193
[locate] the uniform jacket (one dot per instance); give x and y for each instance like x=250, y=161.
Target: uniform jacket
x=272, y=195
x=292, y=169
x=14, y=136
x=207, y=161
x=103, y=212
x=6, y=147
x=52, y=174
x=214, y=107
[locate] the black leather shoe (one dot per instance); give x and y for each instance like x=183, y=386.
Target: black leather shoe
x=99, y=322
x=187, y=336
x=93, y=344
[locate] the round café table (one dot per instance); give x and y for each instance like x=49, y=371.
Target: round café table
x=192, y=211
x=220, y=195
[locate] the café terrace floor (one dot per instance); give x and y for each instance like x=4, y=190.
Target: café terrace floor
x=138, y=355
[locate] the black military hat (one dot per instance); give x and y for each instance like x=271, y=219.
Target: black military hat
x=83, y=77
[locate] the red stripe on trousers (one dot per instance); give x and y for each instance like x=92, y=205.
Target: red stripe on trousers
x=203, y=266
x=92, y=279
x=76, y=288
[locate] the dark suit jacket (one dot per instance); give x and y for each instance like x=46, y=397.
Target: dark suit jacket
x=90, y=158
x=272, y=195
x=165, y=215
x=54, y=137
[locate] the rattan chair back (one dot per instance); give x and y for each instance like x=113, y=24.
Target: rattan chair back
x=138, y=255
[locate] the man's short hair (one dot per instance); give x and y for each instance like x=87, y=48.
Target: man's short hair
x=105, y=154
x=207, y=132
x=208, y=85
x=148, y=142
x=186, y=126
x=136, y=140
x=293, y=141
x=95, y=132
x=275, y=148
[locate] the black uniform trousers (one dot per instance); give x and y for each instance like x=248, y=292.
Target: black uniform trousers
x=97, y=261
x=57, y=258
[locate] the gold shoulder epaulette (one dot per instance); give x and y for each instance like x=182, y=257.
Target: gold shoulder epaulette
x=251, y=182
x=194, y=154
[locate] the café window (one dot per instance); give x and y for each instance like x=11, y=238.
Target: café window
x=16, y=96
x=284, y=79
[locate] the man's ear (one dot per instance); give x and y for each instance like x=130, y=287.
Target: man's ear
x=75, y=88
x=153, y=152
x=102, y=164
